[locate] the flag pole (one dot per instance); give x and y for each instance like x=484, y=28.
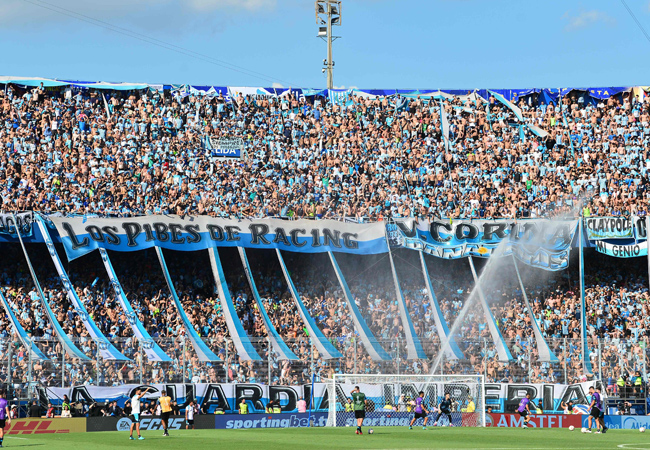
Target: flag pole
x=586, y=363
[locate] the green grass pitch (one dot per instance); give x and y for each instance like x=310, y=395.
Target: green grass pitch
x=342, y=438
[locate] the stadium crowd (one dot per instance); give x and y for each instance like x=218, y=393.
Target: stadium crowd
x=71, y=151
x=138, y=152
x=616, y=318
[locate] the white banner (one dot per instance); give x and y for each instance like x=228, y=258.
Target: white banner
x=226, y=147
x=226, y=396
x=190, y=233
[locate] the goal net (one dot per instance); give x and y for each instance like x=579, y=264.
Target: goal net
x=391, y=399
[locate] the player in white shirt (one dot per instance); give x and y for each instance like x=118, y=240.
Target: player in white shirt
x=135, y=412
x=189, y=416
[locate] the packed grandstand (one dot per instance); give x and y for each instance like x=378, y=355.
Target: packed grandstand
x=352, y=156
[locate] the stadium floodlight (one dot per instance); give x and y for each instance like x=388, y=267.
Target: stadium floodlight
x=328, y=12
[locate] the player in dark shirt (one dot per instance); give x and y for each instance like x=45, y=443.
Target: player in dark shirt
x=420, y=411
x=5, y=419
x=359, y=403
x=596, y=414
x=444, y=408
x=524, y=409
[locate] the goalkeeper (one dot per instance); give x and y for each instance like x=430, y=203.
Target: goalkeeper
x=359, y=404
x=444, y=408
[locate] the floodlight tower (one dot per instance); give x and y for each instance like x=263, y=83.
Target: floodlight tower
x=328, y=14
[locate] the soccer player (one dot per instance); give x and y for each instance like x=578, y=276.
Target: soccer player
x=420, y=411
x=135, y=412
x=524, y=410
x=189, y=416
x=166, y=409
x=444, y=408
x=596, y=406
x=359, y=404
x=5, y=419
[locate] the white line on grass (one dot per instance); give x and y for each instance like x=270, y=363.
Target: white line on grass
x=492, y=448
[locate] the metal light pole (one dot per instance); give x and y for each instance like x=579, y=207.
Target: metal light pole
x=328, y=14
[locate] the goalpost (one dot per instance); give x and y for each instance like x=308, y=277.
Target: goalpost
x=391, y=399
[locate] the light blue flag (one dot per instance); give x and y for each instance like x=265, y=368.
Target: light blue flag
x=413, y=345
x=586, y=361
x=104, y=346
x=278, y=344
x=149, y=346
x=544, y=351
x=512, y=107
x=452, y=351
x=374, y=349
x=245, y=349
x=444, y=125
x=566, y=124
x=202, y=350
x=65, y=340
x=20, y=331
x=318, y=339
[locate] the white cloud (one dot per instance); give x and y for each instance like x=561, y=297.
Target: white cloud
x=586, y=18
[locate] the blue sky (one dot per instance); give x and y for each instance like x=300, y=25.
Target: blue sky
x=385, y=44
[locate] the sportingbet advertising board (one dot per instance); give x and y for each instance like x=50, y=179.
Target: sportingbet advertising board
x=250, y=421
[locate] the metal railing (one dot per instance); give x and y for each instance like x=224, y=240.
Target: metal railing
x=22, y=372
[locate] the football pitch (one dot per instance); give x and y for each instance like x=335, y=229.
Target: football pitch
x=343, y=438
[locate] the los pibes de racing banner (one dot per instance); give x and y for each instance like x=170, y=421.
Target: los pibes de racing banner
x=83, y=235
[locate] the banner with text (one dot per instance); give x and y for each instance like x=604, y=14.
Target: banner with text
x=536, y=421
x=226, y=148
x=83, y=235
x=502, y=397
x=609, y=228
x=539, y=243
x=622, y=251
x=24, y=219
